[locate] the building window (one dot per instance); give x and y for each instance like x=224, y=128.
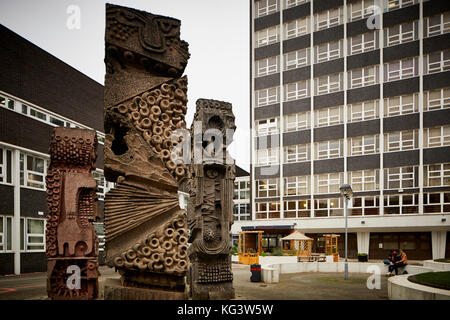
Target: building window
x=437, y=62
x=329, y=116
x=401, y=140
x=297, y=209
x=360, y=10
x=401, y=33
x=7, y=103
x=363, y=43
x=436, y=202
x=293, y=3
x=400, y=105
x=241, y=189
x=5, y=166
x=102, y=185
x=267, y=157
x=328, y=182
x=436, y=137
x=266, y=7
x=328, y=51
x=296, y=121
x=32, y=171
x=5, y=233
x=296, y=28
x=296, y=186
x=362, y=111
x=328, y=207
x=401, y=204
x=35, y=234
x=328, y=19
x=363, y=77
x=267, y=210
x=241, y=212
x=267, y=127
x=328, y=84
x=297, y=153
x=436, y=175
x=268, y=188
x=401, y=177
x=296, y=90
x=397, y=4
x=364, y=180
x=296, y=59
x=364, y=206
x=100, y=231
x=401, y=69
x=329, y=149
x=437, y=24
x=436, y=99
x=267, y=36
x=268, y=96
x=267, y=66
x=363, y=145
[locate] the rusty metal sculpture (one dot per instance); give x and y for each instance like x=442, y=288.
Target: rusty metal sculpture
x=145, y=102
x=72, y=206
x=210, y=210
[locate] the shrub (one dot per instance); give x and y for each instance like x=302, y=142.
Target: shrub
x=277, y=252
x=234, y=251
x=263, y=254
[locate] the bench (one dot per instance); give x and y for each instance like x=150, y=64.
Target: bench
x=314, y=257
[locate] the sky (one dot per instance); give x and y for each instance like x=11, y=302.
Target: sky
x=217, y=32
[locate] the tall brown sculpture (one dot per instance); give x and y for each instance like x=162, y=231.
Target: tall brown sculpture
x=145, y=101
x=72, y=206
x=210, y=210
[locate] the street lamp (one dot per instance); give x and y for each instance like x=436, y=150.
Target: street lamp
x=346, y=192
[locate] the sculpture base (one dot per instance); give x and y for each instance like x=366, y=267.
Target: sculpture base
x=114, y=290
x=212, y=291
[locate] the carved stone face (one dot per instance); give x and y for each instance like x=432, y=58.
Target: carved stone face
x=208, y=235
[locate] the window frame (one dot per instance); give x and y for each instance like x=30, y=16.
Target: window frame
x=370, y=110
x=402, y=72
x=265, y=38
x=402, y=36
x=393, y=110
x=328, y=86
x=329, y=153
x=329, y=21
x=300, y=28
x=301, y=59
x=299, y=154
x=366, y=146
x=328, y=54
x=443, y=102
x=364, y=80
x=324, y=117
x=271, y=98
x=301, y=121
x=267, y=9
x=298, y=92
x=437, y=66
x=272, y=127
x=328, y=181
x=403, y=176
x=443, y=175
x=404, y=144
x=364, y=45
x=443, y=137
x=443, y=26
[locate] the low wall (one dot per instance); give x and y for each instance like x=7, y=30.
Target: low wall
x=400, y=288
x=437, y=266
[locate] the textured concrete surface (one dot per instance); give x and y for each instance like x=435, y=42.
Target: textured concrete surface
x=400, y=288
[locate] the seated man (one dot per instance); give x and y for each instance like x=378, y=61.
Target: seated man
x=390, y=261
x=401, y=261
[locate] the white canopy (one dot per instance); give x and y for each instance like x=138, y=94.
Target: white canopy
x=296, y=235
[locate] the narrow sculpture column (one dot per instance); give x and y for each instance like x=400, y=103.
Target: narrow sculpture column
x=145, y=102
x=210, y=210
x=72, y=245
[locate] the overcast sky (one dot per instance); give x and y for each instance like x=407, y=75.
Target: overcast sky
x=217, y=32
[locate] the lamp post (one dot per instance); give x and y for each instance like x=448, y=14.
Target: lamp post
x=346, y=192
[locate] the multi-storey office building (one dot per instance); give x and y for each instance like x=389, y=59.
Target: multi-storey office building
x=37, y=93
x=241, y=199
x=357, y=92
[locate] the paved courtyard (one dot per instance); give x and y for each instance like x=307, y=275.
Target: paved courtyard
x=301, y=286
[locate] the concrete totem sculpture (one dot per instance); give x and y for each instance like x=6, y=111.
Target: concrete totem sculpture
x=210, y=210
x=145, y=102
x=72, y=245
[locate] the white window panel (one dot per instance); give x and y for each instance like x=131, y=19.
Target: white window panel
x=241, y=189
x=436, y=175
x=267, y=36
x=296, y=59
x=397, y=4
x=266, y=157
x=363, y=145
x=296, y=28
x=35, y=234
x=296, y=186
x=297, y=209
x=5, y=165
x=103, y=186
x=328, y=19
x=267, y=66
x=328, y=207
x=266, y=7
x=360, y=9
x=267, y=210
x=296, y=121
x=329, y=116
x=364, y=206
x=268, y=188
x=32, y=171
x=401, y=204
x=401, y=140
x=436, y=202
x=297, y=153
x=401, y=177
x=437, y=62
x=363, y=77
x=267, y=127
x=268, y=96
x=436, y=99
x=328, y=84
x=436, y=137
x=401, y=69
x=437, y=24
x=363, y=43
x=366, y=110
x=328, y=182
x=401, y=33
x=400, y=105
x=329, y=149
x=296, y=90
x=328, y=51
x=364, y=180
x=293, y=3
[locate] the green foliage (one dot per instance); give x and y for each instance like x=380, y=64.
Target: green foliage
x=263, y=254
x=277, y=252
x=439, y=279
x=362, y=254
x=234, y=251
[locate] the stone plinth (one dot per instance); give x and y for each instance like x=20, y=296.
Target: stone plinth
x=115, y=291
